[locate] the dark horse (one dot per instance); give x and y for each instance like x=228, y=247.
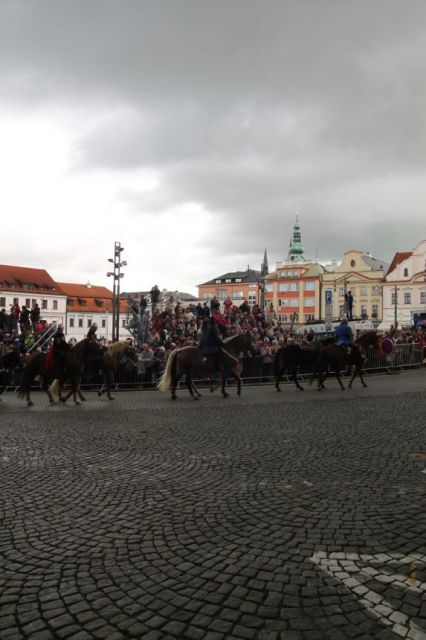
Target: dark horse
x=9, y=361
x=335, y=358
x=74, y=360
x=188, y=361
x=293, y=356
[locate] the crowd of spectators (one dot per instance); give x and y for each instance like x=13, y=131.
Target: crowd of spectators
x=176, y=325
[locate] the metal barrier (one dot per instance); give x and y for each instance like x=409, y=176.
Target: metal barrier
x=255, y=371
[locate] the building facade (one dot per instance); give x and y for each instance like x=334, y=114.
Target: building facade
x=27, y=287
x=87, y=304
x=404, y=290
x=293, y=289
x=361, y=275
x=238, y=285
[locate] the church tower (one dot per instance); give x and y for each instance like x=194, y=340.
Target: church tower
x=295, y=252
x=264, y=268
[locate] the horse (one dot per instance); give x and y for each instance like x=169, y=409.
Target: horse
x=108, y=363
x=335, y=357
x=189, y=360
x=293, y=356
x=9, y=361
x=74, y=360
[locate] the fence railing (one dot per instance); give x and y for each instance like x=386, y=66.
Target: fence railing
x=256, y=371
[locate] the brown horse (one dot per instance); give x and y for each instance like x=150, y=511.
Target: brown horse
x=188, y=361
x=109, y=363
x=334, y=357
x=74, y=361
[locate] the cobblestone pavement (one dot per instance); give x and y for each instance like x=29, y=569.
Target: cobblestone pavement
x=295, y=516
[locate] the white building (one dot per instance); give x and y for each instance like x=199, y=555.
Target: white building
x=404, y=290
x=87, y=304
x=26, y=286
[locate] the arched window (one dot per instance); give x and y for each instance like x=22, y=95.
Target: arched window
x=352, y=263
x=405, y=272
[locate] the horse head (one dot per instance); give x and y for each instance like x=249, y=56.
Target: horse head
x=132, y=353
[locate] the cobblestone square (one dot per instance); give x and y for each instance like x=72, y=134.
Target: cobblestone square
x=292, y=516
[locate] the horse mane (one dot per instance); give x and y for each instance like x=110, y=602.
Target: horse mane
x=118, y=347
x=230, y=338
x=366, y=337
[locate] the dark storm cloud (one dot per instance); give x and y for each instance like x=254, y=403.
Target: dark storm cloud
x=254, y=109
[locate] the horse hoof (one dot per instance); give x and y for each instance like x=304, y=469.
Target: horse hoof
x=226, y=395
x=196, y=398
x=77, y=403
x=30, y=404
x=111, y=398
x=99, y=394
x=174, y=397
x=278, y=389
x=62, y=400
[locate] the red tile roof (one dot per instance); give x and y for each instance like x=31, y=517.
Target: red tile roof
x=89, y=299
x=398, y=258
x=13, y=278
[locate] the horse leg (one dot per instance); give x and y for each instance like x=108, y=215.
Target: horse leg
x=45, y=387
x=295, y=380
x=339, y=379
x=224, y=393
x=278, y=376
x=80, y=395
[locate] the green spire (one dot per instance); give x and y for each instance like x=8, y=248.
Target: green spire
x=296, y=248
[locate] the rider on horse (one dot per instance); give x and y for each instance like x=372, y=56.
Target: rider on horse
x=344, y=335
x=56, y=356
x=210, y=341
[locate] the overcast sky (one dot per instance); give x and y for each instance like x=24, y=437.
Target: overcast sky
x=193, y=131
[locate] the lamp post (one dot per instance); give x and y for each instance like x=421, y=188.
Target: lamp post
x=395, y=306
x=116, y=275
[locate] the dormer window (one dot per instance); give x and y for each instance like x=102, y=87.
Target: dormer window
x=353, y=263
x=228, y=280
x=218, y=281
x=237, y=279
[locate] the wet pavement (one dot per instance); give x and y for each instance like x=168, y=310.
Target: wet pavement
x=296, y=516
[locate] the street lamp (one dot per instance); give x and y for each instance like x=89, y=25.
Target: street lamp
x=116, y=275
x=395, y=306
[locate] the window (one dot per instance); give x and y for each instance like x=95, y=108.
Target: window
x=44, y=304
x=80, y=322
x=282, y=274
x=294, y=286
x=221, y=294
x=218, y=281
x=55, y=305
x=103, y=325
x=341, y=291
x=71, y=322
x=375, y=311
x=252, y=298
x=376, y=290
x=422, y=297
x=228, y=280
x=283, y=286
x=296, y=273
x=407, y=298
x=353, y=263
x=237, y=295
x=15, y=300
x=237, y=279
x=27, y=302
x=123, y=324
x=405, y=272
x=309, y=286
x=33, y=302
x=309, y=316
x=283, y=302
x=309, y=302
x=2, y=302
x=364, y=291
x=294, y=302
x=207, y=296
x=269, y=288
x=364, y=314
x=394, y=298
x=89, y=322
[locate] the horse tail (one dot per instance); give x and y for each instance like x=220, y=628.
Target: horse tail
x=55, y=387
x=165, y=381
